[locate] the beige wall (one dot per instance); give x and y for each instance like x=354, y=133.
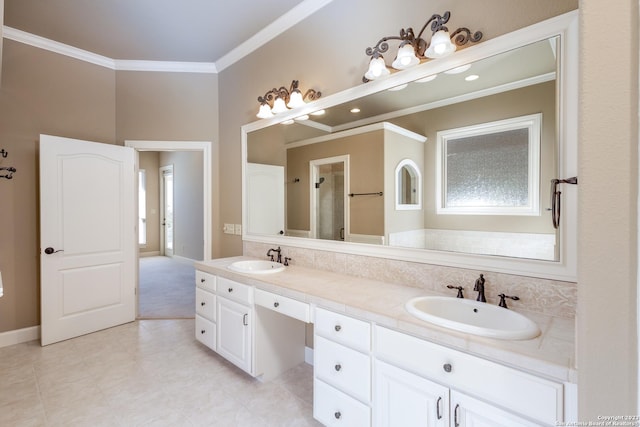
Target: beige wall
x=366, y=174
x=150, y=162
x=608, y=214
x=188, y=202
x=41, y=93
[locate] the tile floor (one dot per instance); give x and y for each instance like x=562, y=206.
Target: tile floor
x=145, y=373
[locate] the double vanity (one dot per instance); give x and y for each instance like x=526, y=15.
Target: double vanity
x=377, y=364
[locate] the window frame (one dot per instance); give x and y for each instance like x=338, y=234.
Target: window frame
x=533, y=123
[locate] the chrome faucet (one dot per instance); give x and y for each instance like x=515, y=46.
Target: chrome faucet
x=278, y=251
x=479, y=287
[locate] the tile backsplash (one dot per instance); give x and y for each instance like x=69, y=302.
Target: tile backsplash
x=550, y=297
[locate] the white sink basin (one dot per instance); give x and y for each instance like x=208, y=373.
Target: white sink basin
x=473, y=317
x=256, y=267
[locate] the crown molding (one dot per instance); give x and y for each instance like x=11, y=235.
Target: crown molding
x=277, y=27
x=271, y=31
x=166, y=66
x=57, y=47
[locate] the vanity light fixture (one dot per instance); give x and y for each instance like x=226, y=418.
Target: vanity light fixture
x=278, y=101
x=412, y=50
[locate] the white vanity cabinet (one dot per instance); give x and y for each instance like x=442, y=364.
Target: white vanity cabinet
x=467, y=390
x=206, y=309
x=342, y=370
x=224, y=318
x=234, y=326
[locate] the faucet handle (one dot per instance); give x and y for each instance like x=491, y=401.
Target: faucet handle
x=459, y=288
x=503, y=303
x=286, y=260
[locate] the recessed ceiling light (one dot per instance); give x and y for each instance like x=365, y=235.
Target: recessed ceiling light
x=302, y=118
x=472, y=77
x=355, y=110
x=458, y=70
x=398, y=87
x=318, y=113
x=427, y=79
x=288, y=122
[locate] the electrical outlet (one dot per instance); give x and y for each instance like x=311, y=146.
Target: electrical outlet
x=238, y=229
x=228, y=229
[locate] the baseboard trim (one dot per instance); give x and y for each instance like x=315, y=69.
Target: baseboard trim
x=308, y=356
x=19, y=336
x=148, y=254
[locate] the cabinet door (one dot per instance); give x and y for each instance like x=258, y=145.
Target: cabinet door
x=404, y=399
x=469, y=412
x=234, y=332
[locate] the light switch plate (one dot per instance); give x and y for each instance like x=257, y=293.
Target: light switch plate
x=238, y=229
x=228, y=229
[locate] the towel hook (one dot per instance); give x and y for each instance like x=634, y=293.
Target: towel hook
x=4, y=153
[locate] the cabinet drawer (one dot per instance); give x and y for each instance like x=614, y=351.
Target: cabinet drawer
x=206, y=281
x=343, y=368
x=343, y=329
x=235, y=291
x=287, y=306
x=334, y=408
x=206, y=332
x=517, y=391
x=206, y=304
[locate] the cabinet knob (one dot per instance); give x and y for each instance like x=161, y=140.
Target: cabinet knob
x=338, y=367
x=447, y=367
x=202, y=280
x=276, y=304
x=338, y=415
x=203, y=303
x=202, y=331
x=230, y=289
x=337, y=328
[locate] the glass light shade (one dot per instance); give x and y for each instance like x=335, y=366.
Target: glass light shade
x=440, y=46
x=406, y=58
x=377, y=69
x=265, y=112
x=279, y=106
x=295, y=99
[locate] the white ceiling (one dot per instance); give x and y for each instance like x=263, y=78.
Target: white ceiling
x=158, y=30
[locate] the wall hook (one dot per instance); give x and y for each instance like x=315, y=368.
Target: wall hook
x=9, y=175
x=4, y=153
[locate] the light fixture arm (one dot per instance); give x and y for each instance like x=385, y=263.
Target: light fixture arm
x=270, y=97
x=436, y=23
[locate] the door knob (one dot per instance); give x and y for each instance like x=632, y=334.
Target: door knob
x=50, y=250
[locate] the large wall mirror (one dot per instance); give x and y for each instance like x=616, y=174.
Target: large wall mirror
x=497, y=119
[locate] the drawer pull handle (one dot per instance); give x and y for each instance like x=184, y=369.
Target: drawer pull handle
x=276, y=304
x=455, y=416
x=244, y=319
x=338, y=415
x=337, y=328
x=438, y=408
x=230, y=290
x=338, y=367
x=203, y=303
x=202, y=331
x=447, y=367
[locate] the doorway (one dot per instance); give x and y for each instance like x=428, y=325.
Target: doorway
x=167, y=264
x=329, y=204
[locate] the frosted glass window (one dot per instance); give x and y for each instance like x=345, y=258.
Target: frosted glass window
x=492, y=168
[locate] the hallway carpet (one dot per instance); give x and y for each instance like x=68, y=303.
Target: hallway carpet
x=167, y=289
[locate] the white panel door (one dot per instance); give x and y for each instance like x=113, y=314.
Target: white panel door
x=469, y=412
x=404, y=399
x=234, y=333
x=265, y=199
x=87, y=237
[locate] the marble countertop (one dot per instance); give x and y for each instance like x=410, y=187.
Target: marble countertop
x=550, y=355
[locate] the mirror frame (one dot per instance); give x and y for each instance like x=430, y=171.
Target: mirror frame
x=566, y=27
